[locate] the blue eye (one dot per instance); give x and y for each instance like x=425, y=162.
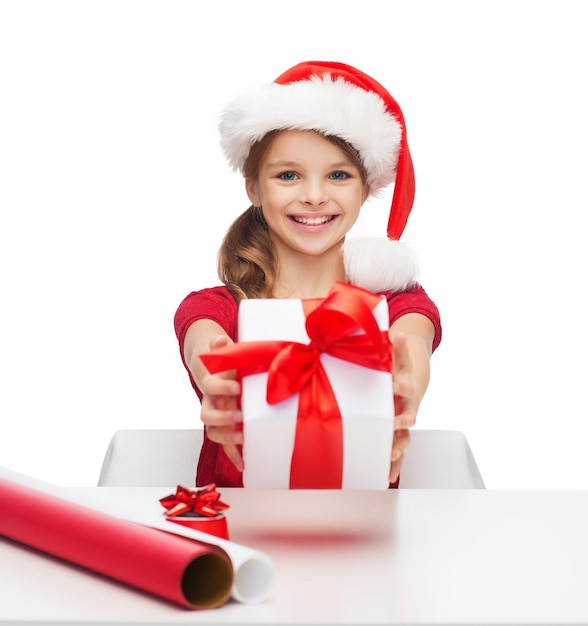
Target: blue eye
x=288, y=176
x=339, y=175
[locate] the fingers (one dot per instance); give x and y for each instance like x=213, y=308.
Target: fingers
x=395, y=468
x=220, y=418
x=219, y=385
x=400, y=354
x=231, y=439
x=219, y=411
x=405, y=401
x=401, y=443
x=219, y=407
x=404, y=415
x=225, y=428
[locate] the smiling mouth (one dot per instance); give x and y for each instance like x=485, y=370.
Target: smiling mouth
x=312, y=221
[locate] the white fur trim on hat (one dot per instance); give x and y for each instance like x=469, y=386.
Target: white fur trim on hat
x=379, y=264
x=331, y=106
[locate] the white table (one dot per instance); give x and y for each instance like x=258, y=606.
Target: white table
x=395, y=557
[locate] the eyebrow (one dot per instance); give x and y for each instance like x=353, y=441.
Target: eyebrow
x=282, y=164
x=272, y=164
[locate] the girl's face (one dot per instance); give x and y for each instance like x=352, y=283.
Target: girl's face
x=309, y=190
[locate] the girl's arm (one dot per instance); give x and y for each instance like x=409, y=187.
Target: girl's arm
x=219, y=411
x=412, y=339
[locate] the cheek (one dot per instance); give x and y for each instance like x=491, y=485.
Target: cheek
x=276, y=197
x=353, y=216
x=354, y=211
x=354, y=204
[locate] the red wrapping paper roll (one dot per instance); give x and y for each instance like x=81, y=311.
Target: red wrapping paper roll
x=190, y=573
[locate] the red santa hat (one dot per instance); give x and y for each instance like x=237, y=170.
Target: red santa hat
x=337, y=99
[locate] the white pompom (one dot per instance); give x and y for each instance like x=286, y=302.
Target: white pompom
x=379, y=264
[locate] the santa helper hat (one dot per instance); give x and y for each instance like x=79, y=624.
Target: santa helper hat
x=337, y=99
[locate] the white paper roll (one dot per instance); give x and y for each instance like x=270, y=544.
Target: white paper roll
x=253, y=569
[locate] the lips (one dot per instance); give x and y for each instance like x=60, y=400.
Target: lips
x=312, y=221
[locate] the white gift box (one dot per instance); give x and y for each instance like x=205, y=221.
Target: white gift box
x=364, y=395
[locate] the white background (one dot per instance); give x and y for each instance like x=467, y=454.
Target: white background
x=114, y=196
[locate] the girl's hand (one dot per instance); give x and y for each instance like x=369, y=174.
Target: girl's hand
x=219, y=412
x=406, y=402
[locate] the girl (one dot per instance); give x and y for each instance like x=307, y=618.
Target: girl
x=312, y=147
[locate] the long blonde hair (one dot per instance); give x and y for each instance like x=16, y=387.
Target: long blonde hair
x=247, y=262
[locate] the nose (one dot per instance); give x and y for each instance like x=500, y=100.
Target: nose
x=314, y=193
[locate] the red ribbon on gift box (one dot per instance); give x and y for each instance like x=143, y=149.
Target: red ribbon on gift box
x=292, y=367
x=204, y=501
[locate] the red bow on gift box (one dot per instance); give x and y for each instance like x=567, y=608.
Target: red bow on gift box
x=203, y=501
x=317, y=459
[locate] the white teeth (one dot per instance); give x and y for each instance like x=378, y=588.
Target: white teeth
x=312, y=221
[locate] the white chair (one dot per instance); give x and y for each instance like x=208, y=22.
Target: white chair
x=435, y=459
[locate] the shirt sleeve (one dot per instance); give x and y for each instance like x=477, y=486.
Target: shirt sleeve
x=415, y=300
x=216, y=304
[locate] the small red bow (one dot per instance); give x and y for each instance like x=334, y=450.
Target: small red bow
x=202, y=501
